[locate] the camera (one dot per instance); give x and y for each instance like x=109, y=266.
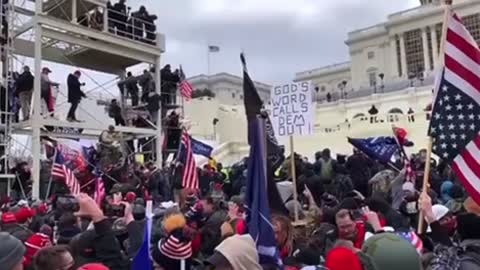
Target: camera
x=67, y=203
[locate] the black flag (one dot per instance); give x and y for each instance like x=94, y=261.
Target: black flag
x=275, y=152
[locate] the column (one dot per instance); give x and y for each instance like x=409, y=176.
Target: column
x=74, y=12
x=434, y=45
x=158, y=89
x=426, y=58
x=105, y=19
x=36, y=117
x=403, y=56
x=393, y=70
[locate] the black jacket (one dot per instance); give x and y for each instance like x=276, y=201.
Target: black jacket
x=107, y=247
x=25, y=82
x=75, y=94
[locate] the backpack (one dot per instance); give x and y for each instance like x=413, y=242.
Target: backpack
x=454, y=258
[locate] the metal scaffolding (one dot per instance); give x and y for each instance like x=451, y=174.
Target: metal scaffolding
x=59, y=37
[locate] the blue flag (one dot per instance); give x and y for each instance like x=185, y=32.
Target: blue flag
x=383, y=148
x=256, y=198
x=200, y=148
x=142, y=260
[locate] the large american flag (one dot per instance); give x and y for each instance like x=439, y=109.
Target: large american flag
x=190, y=176
x=455, y=120
x=186, y=88
x=62, y=171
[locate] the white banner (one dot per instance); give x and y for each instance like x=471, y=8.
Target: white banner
x=292, y=109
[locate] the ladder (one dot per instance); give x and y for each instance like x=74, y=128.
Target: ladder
x=7, y=14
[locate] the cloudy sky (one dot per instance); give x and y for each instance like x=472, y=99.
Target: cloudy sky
x=280, y=37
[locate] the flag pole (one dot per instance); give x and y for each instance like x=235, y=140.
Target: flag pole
x=51, y=178
x=294, y=178
x=441, y=62
x=208, y=67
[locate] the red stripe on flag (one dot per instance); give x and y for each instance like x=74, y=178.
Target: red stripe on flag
x=190, y=176
x=464, y=46
x=462, y=72
x=465, y=181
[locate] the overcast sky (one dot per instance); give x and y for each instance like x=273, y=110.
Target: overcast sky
x=280, y=37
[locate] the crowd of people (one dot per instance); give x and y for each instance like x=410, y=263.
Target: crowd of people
x=139, y=91
x=138, y=25
x=356, y=213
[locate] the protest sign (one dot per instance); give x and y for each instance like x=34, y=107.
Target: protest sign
x=292, y=110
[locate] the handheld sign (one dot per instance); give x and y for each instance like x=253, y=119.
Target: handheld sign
x=293, y=114
x=292, y=110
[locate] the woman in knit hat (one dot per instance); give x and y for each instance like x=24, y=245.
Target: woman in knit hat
x=176, y=247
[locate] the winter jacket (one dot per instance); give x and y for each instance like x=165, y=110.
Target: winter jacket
x=397, y=192
x=25, y=82
x=107, y=248
x=135, y=237
x=21, y=232
x=75, y=94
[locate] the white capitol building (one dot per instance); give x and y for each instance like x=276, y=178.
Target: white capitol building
x=391, y=67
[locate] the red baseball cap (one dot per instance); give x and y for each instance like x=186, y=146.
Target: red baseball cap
x=8, y=217
x=23, y=214
x=93, y=266
x=130, y=197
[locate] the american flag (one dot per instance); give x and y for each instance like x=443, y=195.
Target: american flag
x=99, y=190
x=186, y=88
x=62, y=171
x=410, y=174
x=190, y=177
x=413, y=239
x=455, y=120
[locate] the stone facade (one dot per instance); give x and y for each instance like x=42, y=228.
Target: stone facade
x=390, y=55
x=228, y=88
x=391, y=67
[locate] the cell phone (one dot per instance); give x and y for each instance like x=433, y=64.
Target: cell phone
x=67, y=203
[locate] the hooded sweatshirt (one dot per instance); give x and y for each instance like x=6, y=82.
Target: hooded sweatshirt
x=391, y=252
x=240, y=251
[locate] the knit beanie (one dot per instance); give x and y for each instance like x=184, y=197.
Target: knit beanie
x=36, y=242
x=342, y=258
x=391, y=252
x=176, y=247
x=11, y=251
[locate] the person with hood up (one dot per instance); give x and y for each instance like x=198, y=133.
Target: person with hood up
x=236, y=252
x=389, y=251
x=11, y=252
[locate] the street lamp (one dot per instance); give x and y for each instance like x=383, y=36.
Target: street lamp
x=215, y=122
